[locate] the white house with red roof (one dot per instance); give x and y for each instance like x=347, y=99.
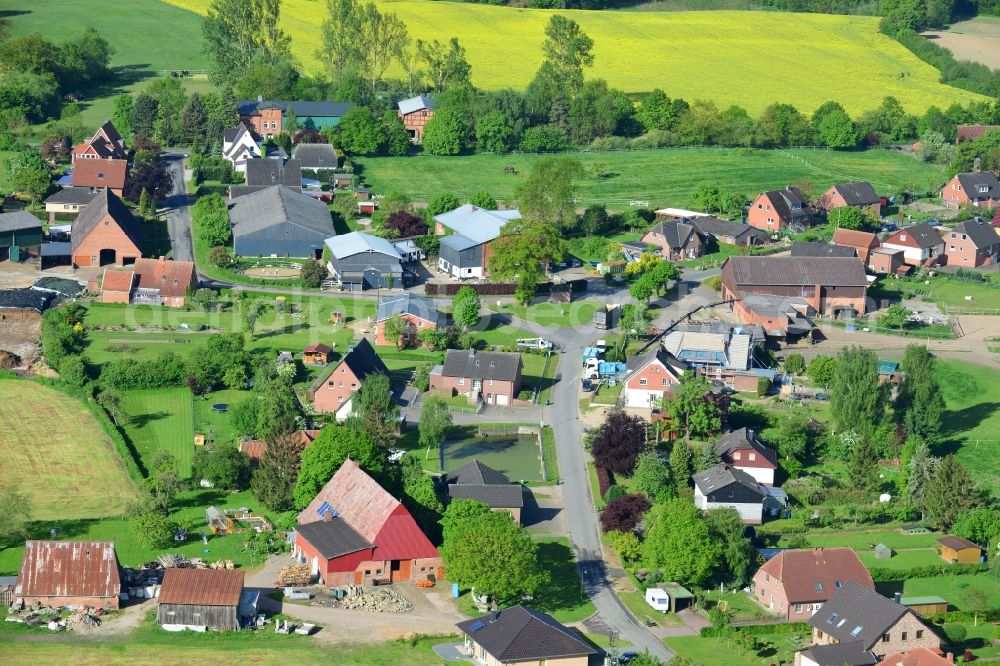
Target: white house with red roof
x=355, y=532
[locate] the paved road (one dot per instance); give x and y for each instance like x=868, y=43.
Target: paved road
x=178, y=213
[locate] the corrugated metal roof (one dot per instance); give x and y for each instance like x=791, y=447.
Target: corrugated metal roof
x=69, y=569
x=415, y=104
x=275, y=205
x=798, y=271
x=476, y=223
x=19, y=220
x=357, y=242
x=201, y=587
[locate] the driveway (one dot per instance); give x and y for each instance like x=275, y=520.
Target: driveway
x=177, y=210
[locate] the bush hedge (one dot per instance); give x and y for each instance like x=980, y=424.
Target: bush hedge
x=759, y=629
x=881, y=575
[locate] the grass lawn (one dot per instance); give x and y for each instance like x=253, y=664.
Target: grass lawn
x=902, y=559
x=740, y=603
x=55, y=451
x=539, y=371
x=188, y=511
x=607, y=395
x=150, y=644
x=860, y=539
x=947, y=291
x=577, y=313
x=635, y=602
x=161, y=420
x=779, y=649
x=636, y=51
x=662, y=177
x=952, y=588
x=215, y=425
x=549, y=454
x=972, y=422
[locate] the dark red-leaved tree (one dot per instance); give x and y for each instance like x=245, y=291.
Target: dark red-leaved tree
x=308, y=136
x=406, y=224
x=619, y=441
x=623, y=514
x=152, y=176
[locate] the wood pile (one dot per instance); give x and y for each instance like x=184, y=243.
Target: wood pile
x=294, y=575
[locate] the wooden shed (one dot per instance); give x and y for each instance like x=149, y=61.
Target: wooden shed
x=925, y=605
x=318, y=354
x=955, y=550
x=200, y=600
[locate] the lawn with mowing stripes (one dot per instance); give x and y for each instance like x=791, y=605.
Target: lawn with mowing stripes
x=972, y=420
x=54, y=451
x=161, y=420
x=666, y=177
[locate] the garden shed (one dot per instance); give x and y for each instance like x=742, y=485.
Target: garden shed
x=914, y=528
x=200, y=599
x=883, y=552
x=316, y=354
x=679, y=596
x=930, y=605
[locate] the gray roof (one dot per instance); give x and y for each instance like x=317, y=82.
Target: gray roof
x=333, y=538
x=415, y=104
x=300, y=108
x=855, y=613
x=72, y=195
x=924, y=235
x=789, y=203
x=745, y=438
x=492, y=495
x=523, y=634
x=804, y=249
x=458, y=242
x=315, y=155
x=27, y=298
x=237, y=191
x=798, y=271
x=475, y=472
x=656, y=352
x=858, y=194
x=276, y=205
x=104, y=203
x=971, y=182
x=981, y=233
x=357, y=242
x=722, y=475
x=59, y=249
x=840, y=654
x=503, y=366
x=479, y=224
x=263, y=172
x=713, y=226
x=363, y=361
x=19, y=220
x=408, y=303
x=676, y=232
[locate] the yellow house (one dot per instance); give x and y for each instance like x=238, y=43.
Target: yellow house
x=526, y=637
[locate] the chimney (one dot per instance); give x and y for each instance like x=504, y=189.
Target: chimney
x=163, y=260
x=472, y=353
x=328, y=516
x=897, y=596
x=950, y=657
x=260, y=98
x=977, y=164
x=494, y=616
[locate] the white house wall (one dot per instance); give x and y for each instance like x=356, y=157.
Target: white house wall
x=641, y=398
x=764, y=475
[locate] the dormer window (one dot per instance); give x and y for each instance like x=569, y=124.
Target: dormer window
x=902, y=237
x=752, y=457
x=737, y=455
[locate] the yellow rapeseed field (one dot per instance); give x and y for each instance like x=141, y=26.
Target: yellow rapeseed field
x=746, y=58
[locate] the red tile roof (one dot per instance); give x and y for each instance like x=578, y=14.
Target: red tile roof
x=916, y=657
x=172, y=278
x=854, y=238
x=815, y=574
x=69, y=569
x=202, y=587
x=256, y=448
x=321, y=348
x=88, y=173
x=117, y=280
x=957, y=543
x=371, y=512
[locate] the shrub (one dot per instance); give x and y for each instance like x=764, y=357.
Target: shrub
x=152, y=529
x=955, y=633
x=714, y=282
x=614, y=492
x=623, y=514
x=603, y=479
x=763, y=385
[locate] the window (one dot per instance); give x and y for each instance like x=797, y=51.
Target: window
x=642, y=382
x=920, y=633
x=836, y=584
x=952, y=247
x=885, y=638
x=833, y=618
x=663, y=382
x=100, y=174
x=902, y=237
x=752, y=457
x=368, y=572
x=461, y=381
x=491, y=382
x=819, y=586
x=737, y=455
x=767, y=577
x=902, y=636
x=781, y=605
x=798, y=608
x=856, y=631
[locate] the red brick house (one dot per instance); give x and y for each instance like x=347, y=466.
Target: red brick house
x=778, y=209
x=774, y=292
x=858, y=619
x=332, y=392
x=886, y=261
x=257, y=449
x=415, y=112
x=971, y=244
x=796, y=583
x=676, y=239
x=979, y=189
x=854, y=195
x=743, y=450
x=105, y=233
x=417, y=313
x=151, y=282
x=355, y=532
x=921, y=244
x=101, y=160
x=971, y=132
x=491, y=377
x=650, y=377
x=863, y=242
x=69, y=573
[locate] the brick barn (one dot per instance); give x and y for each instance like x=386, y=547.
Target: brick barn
x=355, y=532
x=106, y=233
x=69, y=573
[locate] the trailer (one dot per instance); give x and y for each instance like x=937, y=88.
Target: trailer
x=606, y=316
x=590, y=353
x=535, y=343
x=596, y=369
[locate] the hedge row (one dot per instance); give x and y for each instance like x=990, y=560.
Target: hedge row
x=988, y=615
x=758, y=629
x=881, y=574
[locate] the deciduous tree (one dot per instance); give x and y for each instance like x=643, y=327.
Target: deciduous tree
x=381, y=40
x=690, y=409
x=446, y=64
x=678, y=543
x=547, y=195
x=30, y=174
x=681, y=464
x=224, y=465
x=623, y=514
x=652, y=476
x=857, y=398
x=435, y=420
x=445, y=133
x=465, y=307
x=619, y=441
x=568, y=50
x=239, y=33
x=327, y=453
x=736, y=554
x=822, y=370
x=374, y=410
x=520, y=252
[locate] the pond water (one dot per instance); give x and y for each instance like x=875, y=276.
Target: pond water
x=517, y=456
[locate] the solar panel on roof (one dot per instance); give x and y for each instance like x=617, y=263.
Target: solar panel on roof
x=477, y=625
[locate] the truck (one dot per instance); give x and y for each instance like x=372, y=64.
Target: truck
x=607, y=316
x=534, y=343
x=590, y=353
x=597, y=369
